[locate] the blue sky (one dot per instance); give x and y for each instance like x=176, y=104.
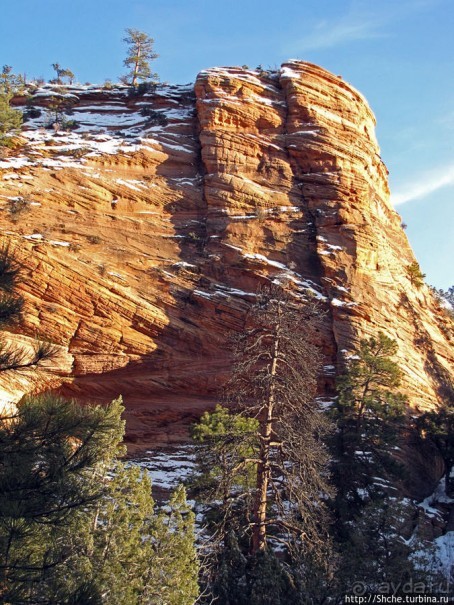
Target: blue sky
x=398, y=53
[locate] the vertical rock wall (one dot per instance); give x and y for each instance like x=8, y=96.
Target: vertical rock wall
x=144, y=239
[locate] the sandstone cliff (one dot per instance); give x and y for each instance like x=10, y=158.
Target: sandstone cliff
x=144, y=233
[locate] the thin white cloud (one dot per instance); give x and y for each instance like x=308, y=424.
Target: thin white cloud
x=361, y=22
x=327, y=35
x=429, y=183
x=447, y=120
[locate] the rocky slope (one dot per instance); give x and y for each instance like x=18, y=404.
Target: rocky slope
x=145, y=232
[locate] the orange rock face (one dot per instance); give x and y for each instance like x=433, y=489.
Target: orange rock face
x=145, y=232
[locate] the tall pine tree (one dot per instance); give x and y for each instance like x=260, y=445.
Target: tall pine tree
x=370, y=412
x=140, y=53
x=265, y=457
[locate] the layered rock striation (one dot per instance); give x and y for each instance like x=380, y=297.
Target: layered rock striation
x=145, y=232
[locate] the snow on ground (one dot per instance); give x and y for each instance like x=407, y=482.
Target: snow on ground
x=444, y=545
x=66, y=154
x=42, y=142
x=325, y=403
x=171, y=466
x=168, y=467
x=437, y=497
x=134, y=184
x=186, y=181
x=262, y=139
x=287, y=72
x=184, y=264
x=444, y=553
x=36, y=236
x=90, y=120
x=304, y=286
x=116, y=126
x=266, y=260
x=336, y=302
x=226, y=291
x=242, y=217
x=14, y=163
x=58, y=243
x=203, y=294
x=328, y=249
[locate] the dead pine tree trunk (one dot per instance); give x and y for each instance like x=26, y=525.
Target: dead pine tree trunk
x=274, y=381
x=263, y=468
x=136, y=66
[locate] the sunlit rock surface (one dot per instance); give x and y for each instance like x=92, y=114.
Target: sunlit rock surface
x=145, y=232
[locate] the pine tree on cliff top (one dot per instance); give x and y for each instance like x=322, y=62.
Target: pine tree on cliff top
x=140, y=53
x=62, y=73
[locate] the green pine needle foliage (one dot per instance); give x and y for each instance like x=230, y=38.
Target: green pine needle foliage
x=77, y=525
x=370, y=415
x=140, y=53
x=9, y=270
x=415, y=275
x=10, y=119
x=10, y=304
x=227, y=439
